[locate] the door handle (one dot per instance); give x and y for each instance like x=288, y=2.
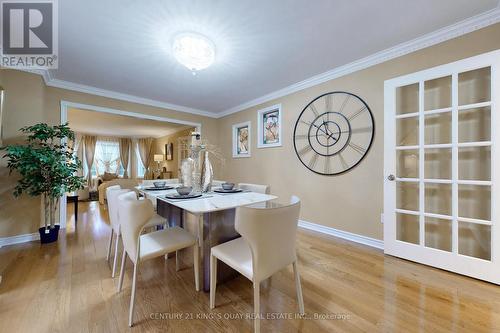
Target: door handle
x=391, y=178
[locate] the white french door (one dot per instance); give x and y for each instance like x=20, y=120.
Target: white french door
x=442, y=167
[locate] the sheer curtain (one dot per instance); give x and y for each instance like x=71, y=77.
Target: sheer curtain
x=145, y=148
x=125, y=144
x=107, y=156
x=90, y=143
x=78, y=151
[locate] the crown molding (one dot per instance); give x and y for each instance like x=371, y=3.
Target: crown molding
x=50, y=81
x=124, y=97
x=452, y=31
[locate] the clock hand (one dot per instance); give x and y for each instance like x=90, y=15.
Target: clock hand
x=332, y=137
x=319, y=128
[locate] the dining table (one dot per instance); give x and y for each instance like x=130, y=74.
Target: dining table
x=209, y=217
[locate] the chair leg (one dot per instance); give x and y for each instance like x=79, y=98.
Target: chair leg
x=300, y=299
x=196, y=259
x=115, y=259
x=109, y=245
x=132, y=297
x=213, y=280
x=122, y=270
x=177, y=264
x=256, y=306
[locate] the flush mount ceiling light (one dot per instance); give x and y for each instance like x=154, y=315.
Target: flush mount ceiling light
x=194, y=51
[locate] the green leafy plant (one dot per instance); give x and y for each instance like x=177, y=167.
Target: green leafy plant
x=46, y=164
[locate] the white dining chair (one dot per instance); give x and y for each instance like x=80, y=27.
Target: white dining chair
x=134, y=215
x=266, y=245
x=112, y=193
x=264, y=189
x=108, y=190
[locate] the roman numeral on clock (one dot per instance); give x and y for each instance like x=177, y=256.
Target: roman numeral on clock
x=343, y=162
x=361, y=130
x=357, y=113
x=302, y=136
x=327, y=166
x=357, y=148
x=313, y=161
x=344, y=103
x=313, y=109
x=328, y=103
x=305, y=150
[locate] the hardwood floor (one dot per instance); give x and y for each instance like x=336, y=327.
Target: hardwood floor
x=67, y=287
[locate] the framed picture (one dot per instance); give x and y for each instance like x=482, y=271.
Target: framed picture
x=269, y=127
x=169, y=151
x=241, y=139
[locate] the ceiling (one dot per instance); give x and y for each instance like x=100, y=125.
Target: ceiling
x=106, y=124
x=261, y=46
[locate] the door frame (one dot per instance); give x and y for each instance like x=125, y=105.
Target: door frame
x=469, y=266
x=65, y=105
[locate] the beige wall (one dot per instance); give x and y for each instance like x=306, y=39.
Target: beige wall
x=28, y=101
x=160, y=143
x=353, y=201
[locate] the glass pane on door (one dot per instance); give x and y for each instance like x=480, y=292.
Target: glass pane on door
x=407, y=163
x=437, y=164
x=407, y=131
x=407, y=196
x=438, y=199
x=474, y=163
x=474, y=125
x=407, y=99
x=438, y=128
x=474, y=86
x=474, y=240
x=437, y=93
x=474, y=201
x=438, y=233
x=408, y=228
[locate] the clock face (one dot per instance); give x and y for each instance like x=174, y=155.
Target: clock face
x=333, y=133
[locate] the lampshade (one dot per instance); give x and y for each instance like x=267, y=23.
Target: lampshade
x=158, y=158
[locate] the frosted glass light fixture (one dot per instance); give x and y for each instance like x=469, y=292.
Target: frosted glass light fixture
x=194, y=51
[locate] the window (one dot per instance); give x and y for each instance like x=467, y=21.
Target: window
x=141, y=170
x=106, y=158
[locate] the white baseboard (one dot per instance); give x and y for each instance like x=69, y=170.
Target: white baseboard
x=342, y=234
x=19, y=239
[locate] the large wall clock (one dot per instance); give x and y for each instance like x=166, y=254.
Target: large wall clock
x=333, y=133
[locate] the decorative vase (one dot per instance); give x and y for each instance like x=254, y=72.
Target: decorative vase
x=207, y=174
x=187, y=166
x=196, y=171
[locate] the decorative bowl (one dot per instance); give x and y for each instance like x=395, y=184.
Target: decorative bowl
x=184, y=190
x=227, y=186
x=159, y=184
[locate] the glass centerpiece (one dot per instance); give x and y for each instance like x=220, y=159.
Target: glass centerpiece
x=197, y=170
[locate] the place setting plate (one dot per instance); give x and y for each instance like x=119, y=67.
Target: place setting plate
x=221, y=190
x=183, y=192
x=177, y=196
x=153, y=188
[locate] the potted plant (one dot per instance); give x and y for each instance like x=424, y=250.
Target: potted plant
x=47, y=167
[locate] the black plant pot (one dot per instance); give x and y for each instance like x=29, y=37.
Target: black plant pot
x=49, y=237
